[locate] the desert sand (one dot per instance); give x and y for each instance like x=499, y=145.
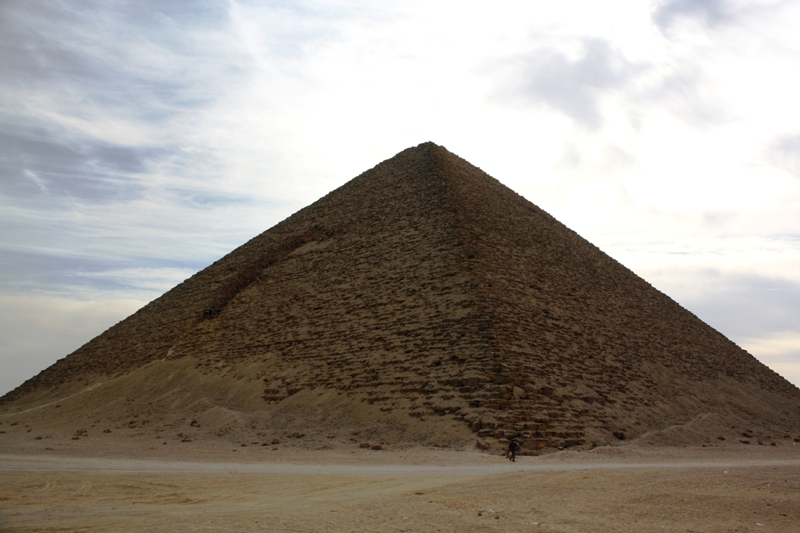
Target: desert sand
x=631, y=488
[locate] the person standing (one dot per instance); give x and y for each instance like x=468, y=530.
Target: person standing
x=513, y=445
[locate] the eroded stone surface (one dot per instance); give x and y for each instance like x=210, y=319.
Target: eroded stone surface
x=426, y=286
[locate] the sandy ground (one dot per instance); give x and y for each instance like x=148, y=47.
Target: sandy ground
x=622, y=489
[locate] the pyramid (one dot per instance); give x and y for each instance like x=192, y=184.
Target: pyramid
x=420, y=292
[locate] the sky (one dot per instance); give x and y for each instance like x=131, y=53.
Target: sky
x=142, y=140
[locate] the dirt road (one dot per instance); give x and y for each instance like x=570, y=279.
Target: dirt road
x=614, y=491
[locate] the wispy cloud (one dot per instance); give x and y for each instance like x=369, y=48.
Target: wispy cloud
x=98, y=147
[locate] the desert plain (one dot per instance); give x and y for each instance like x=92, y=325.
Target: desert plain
x=117, y=484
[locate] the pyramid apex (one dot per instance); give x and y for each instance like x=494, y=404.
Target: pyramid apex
x=428, y=145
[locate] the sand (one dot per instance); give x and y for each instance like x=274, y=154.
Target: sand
x=621, y=489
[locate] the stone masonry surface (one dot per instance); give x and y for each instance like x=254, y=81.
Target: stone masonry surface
x=425, y=285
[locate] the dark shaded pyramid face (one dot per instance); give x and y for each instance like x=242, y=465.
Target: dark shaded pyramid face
x=425, y=301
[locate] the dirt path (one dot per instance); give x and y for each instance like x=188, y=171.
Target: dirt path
x=85, y=464
x=599, y=493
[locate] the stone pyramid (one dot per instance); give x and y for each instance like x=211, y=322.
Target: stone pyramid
x=425, y=290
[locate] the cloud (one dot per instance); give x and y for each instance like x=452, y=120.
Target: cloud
x=290, y=31
x=124, y=53
x=784, y=152
x=100, y=88
x=572, y=84
x=81, y=274
x=684, y=90
x=107, y=156
x=710, y=12
x=34, y=162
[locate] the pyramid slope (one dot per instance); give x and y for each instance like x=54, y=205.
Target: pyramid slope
x=424, y=287
x=598, y=339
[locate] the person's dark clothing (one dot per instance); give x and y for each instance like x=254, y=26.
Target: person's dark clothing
x=512, y=449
